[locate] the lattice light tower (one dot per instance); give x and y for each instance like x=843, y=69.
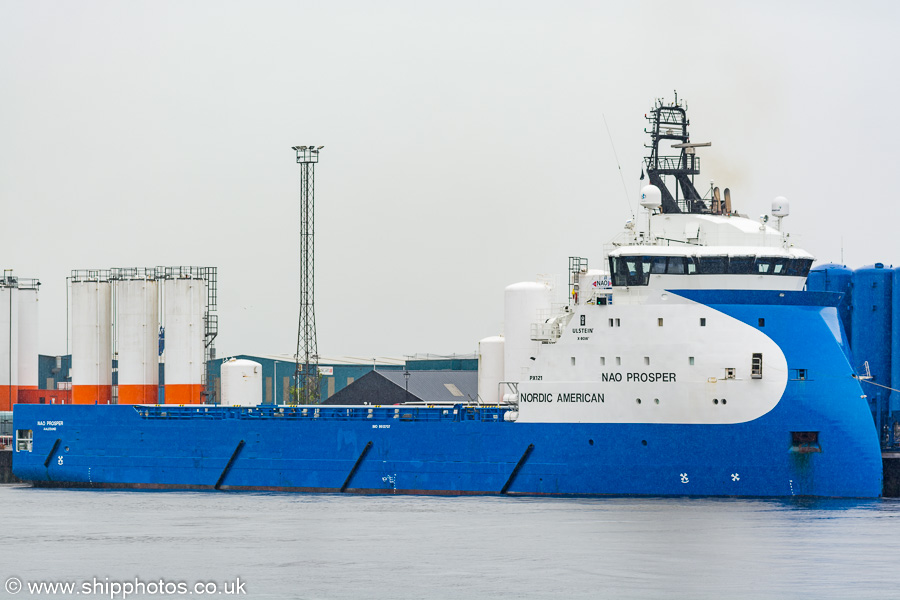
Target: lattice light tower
x=307, y=359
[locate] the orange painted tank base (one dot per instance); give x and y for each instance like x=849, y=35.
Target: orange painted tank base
x=9, y=395
x=138, y=394
x=91, y=394
x=184, y=393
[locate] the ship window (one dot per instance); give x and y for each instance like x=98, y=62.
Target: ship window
x=691, y=264
x=729, y=373
x=702, y=321
x=675, y=265
x=645, y=270
x=763, y=265
x=611, y=322
x=778, y=266
x=618, y=323
x=602, y=361
x=713, y=265
x=659, y=321
x=618, y=360
x=690, y=360
x=756, y=366
x=762, y=322
x=658, y=265
x=573, y=361
x=740, y=265
x=24, y=440
x=799, y=374
x=646, y=360
x=798, y=267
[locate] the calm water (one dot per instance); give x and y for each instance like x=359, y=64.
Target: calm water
x=359, y=547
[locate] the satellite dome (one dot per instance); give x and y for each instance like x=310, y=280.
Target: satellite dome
x=651, y=197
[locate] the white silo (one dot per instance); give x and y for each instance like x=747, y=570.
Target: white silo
x=241, y=383
x=185, y=305
x=91, y=341
x=525, y=304
x=137, y=337
x=490, y=368
x=9, y=343
x=28, y=334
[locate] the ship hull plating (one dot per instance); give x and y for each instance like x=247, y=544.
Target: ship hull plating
x=465, y=450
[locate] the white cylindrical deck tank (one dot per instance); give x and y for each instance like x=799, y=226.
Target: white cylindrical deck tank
x=9, y=345
x=28, y=338
x=241, y=383
x=490, y=368
x=524, y=304
x=137, y=340
x=185, y=306
x=91, y=342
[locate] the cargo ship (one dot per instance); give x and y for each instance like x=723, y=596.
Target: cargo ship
x=695, y=363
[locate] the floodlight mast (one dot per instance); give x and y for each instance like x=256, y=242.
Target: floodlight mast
x=307, y=359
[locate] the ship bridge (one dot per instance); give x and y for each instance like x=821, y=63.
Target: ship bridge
x=709, y=267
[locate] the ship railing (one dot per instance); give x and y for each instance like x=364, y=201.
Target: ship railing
x=6, y=442
x=312, y=412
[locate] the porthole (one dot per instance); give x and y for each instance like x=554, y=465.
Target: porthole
x=591, y=442
x=715, y=400
x=656, y=400
x=724, y=401
x=643, y=442
x=638, y=400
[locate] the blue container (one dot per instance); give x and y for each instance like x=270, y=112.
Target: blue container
x=871, y=340
x=832, y=277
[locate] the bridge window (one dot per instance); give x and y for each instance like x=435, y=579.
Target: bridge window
x=636, y=270
x=713, y=265
x=740, y=265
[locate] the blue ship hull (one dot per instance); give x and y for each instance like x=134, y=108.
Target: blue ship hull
x=464, y=450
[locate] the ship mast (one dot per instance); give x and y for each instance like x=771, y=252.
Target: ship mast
x=670, y=122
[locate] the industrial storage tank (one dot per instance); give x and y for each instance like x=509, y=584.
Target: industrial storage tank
x=832, y=277
x=490, y=369
x=137, y=340
x=9, y=343
x=28, y=334
x=185, y=306
x=871, y=341
x=524, y=304
x=91, y=341
x=895, y=349
x=241, y=383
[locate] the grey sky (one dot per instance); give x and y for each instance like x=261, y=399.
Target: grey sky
x=464, y=146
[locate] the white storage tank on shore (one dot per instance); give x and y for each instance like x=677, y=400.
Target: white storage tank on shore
x=185, y=306
x=28, y=336
x=490, y=368
x=91, y=342
x=241, y=383
x=524, y=304
x=9, y=344
x=137, y=325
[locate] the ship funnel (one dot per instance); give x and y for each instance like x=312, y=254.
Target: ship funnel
x=727, y=201
x=717, y=202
